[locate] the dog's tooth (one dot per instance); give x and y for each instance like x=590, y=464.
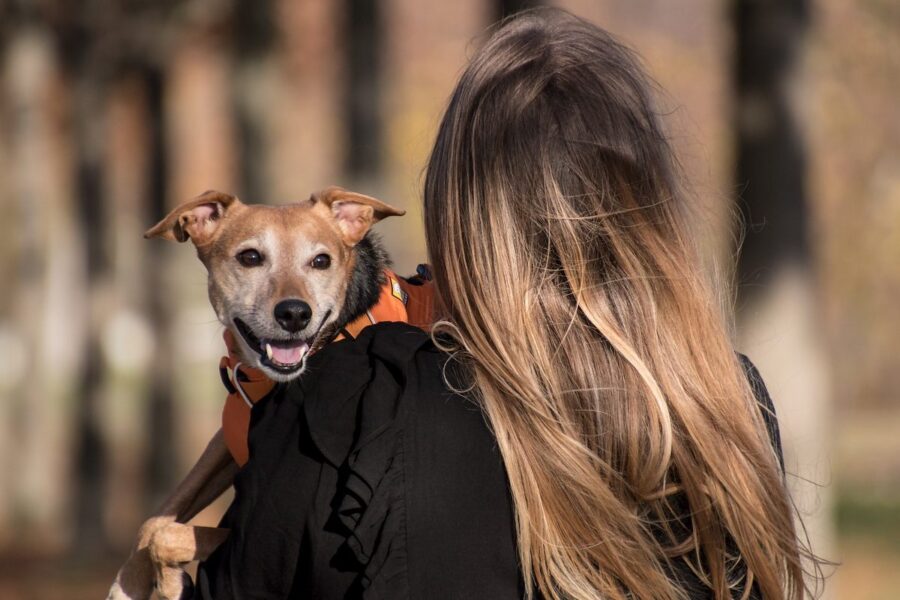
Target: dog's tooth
x=269, y=351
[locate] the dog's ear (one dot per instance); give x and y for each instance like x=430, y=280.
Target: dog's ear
x=196, y=219
x=354, y=213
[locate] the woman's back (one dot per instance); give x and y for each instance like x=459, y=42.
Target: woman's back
x=371, y=478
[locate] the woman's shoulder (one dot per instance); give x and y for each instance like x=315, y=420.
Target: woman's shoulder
x=391, y=371
x=393, y=378
x=407, y=354
x=458, y=508
x=422, y=383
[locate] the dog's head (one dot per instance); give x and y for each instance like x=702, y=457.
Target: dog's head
x=278, y=276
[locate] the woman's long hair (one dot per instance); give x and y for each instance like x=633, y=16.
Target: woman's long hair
x=632, y=440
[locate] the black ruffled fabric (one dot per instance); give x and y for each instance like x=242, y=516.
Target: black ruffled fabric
x=369, y=505
x=335, y=432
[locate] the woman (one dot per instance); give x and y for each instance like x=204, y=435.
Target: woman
x=579, y=427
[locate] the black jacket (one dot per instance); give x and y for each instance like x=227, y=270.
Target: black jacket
x=369, y=479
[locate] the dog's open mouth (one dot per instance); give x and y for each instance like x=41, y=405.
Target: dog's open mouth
x=285, y=356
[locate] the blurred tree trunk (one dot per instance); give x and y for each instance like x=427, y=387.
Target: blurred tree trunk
x=161, y=450
x=83, y=70
x=771, y=158
x=362, y=90
x=90, y=455
x=254, y=35
x=778, y=296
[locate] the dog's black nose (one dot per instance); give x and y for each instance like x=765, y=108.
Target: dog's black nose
x=293, y=315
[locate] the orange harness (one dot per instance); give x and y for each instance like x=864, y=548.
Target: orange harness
x=399, y=300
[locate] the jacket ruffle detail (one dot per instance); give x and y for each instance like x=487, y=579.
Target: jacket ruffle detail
x=369, y=504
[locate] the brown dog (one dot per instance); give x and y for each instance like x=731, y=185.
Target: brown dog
x=284, y=280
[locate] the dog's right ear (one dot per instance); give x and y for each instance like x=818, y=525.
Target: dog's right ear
x=354, y=213
x=196, y=219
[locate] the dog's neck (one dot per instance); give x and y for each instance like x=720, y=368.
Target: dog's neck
x=364, y=287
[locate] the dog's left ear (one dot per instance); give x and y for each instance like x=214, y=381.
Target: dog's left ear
x=354, y=213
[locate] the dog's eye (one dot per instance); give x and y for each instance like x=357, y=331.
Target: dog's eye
x=249, y=258
x=321, y=261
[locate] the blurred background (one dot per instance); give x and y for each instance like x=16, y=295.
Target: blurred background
x=112, y=112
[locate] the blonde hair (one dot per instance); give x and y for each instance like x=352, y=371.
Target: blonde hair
x=631, y=437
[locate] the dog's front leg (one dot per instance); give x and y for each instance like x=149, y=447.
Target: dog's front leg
x=206, y=481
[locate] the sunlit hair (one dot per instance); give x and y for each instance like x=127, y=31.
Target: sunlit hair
x=572, y=293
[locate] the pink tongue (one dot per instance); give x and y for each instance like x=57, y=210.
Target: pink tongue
x=288, y=356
